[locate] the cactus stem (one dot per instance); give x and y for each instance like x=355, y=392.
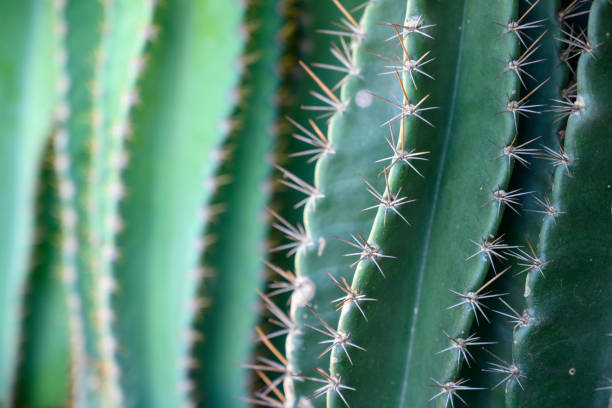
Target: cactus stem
x=507, y=198
x=490, y=249
x=547, y=207
x=450, y=389
x=510, y=371
x=332, y=384
x=368, y=251
x=352, y=295
x=339, y=338
x=387, y=201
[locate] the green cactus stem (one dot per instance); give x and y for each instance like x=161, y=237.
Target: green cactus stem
x=239, y=233
x=28, y=82
x=169, y=183
x=564, y=352
x=439, y=253
x=335, y=209
x=44, y=375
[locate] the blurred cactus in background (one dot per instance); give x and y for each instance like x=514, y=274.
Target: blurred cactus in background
x=306, y=203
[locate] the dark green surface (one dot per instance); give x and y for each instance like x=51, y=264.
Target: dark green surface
x=44, y=373
x=569, y=308
x=28, y=78
x=235, y=259
x=537, y=177
x=396, y=370
x=168, y=183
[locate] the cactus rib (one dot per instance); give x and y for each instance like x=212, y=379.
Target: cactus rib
x=353, y=136
x=459, y=163
x=28, y=91
x=551, y=350
x=170, y=182
x=235, y=257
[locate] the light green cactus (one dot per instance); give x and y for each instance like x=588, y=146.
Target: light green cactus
x=29, y=55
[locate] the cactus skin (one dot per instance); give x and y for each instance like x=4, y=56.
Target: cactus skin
x=28, y=94
x=126, y=30
x=305, y=43
x=536, y=178
x=569, y=308
x=431, y=254
x=44, y=374
x=355, y=138
x=169, y=181
x=240, y=233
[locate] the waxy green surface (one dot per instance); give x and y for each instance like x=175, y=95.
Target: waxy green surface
x=28, y=79
x=541, y=129
x=358, y=140
x=178, y=127
x=565, y=352
x=239, y=230
x=452, y=207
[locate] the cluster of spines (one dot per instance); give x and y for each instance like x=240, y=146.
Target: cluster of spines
x=493, y=248
x=572, y=43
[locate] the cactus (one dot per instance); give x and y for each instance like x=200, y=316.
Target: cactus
x=44, y=378
x=574, y=248
x=441, y=202
x=239, y=228
x=28, y=54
